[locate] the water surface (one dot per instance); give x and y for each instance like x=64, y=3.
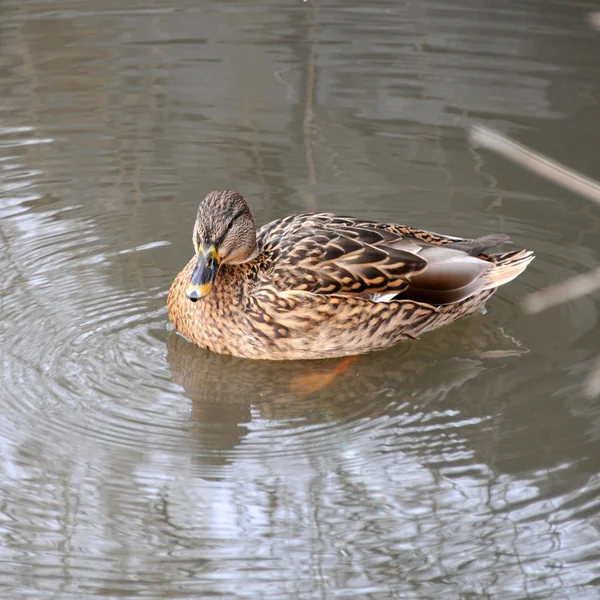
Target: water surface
x=133, y=464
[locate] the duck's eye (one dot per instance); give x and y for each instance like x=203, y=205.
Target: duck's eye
x=230, y=226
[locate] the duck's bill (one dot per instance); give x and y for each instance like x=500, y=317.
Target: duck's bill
x=204, y=273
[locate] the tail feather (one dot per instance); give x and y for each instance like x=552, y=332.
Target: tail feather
x=480, y=244
x=507, y=266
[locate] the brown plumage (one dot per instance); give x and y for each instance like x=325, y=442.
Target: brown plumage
x=321, y=286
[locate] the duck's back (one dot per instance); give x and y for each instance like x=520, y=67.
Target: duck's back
x=326, y=254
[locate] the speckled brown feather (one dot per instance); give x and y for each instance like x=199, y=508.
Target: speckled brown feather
x=307, y=294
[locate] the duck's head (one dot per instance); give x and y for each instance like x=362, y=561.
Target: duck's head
x=224, y=232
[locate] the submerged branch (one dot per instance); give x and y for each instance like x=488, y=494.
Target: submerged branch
x=538, y=163
x=545, y=167
x=573, y=288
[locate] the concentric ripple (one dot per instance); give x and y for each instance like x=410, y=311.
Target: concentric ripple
x=396, y=440
x=169, y=446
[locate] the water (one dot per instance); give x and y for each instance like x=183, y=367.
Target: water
x=133, y=464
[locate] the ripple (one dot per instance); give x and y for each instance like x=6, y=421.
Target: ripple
x=87, y=351
x=462, y=464
x=401, y=434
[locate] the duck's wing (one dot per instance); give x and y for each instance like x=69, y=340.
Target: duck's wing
x=330, y=262
x=324, y=254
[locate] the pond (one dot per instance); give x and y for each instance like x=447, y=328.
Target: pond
x=133, y=464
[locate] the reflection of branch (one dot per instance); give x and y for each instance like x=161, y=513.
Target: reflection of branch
x=311, y=203
x=578, y=286
x=573, y=288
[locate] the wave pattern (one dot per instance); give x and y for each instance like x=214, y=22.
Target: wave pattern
x=132, y=463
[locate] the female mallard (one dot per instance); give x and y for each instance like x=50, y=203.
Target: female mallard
x=321, y=286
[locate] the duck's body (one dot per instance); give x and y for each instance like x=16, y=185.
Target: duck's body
x=319, y=286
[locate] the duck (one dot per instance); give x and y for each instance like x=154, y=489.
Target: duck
x=318, y=285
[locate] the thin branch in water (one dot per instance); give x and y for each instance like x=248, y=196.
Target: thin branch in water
x=593, y=383
x=538, y=163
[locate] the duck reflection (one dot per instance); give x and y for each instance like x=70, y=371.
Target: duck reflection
x=470, y=389
x=413, y=382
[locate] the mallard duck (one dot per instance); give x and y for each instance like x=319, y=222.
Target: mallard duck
x=318, y=285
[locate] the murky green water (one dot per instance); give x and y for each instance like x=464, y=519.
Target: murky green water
x=132, y=464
